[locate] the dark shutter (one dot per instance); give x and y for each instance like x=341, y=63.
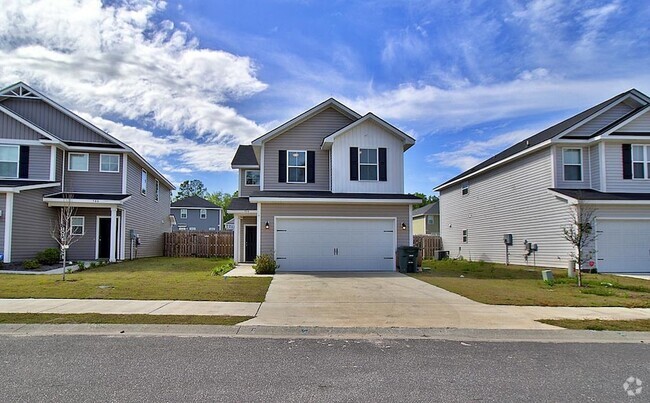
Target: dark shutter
x=282, y=166
x=627, y=161
x=23, y=168
x=311, y=166
x=383, y=172
x=354, y=164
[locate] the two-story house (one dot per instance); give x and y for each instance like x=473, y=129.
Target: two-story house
x=426, y=220
x=324, y=191
x=598, y=159
x=194, y=213
x=50, y=159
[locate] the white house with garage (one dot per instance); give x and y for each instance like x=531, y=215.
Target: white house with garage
x=324, y=191
x=599, y=158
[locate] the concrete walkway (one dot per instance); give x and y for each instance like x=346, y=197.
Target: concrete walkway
x=116, y=306
x=245, y=270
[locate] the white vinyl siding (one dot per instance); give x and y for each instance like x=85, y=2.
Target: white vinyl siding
x=109, y=163
x=640, y=124
x=9, y=161
x=572, y=164
x=594, y=167
x=78, y=162
x=614, y=172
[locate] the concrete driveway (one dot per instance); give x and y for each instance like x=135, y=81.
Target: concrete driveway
x=377, y=300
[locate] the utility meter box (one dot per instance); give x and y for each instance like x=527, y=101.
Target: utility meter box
x=507, y=239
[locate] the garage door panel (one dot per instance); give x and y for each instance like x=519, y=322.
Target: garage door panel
x=315, y=244
x=623, y=246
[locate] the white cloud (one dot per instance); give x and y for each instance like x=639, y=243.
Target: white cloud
x=117, y=60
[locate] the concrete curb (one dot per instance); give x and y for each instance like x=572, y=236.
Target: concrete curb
x=449, y=334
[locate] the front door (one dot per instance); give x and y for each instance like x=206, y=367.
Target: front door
x=104, y=240
x=250, y=246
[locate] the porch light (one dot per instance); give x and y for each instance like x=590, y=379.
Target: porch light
x=403, y=226
x=266, y=225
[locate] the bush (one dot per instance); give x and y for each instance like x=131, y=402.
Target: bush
x=31, y=264
x=49, y=256
x=264, y=264
x=223, y=269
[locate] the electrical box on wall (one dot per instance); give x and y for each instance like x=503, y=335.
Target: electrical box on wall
x=507, y=239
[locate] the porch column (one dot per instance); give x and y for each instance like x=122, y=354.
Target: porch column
x=113, y=251
x=236, y=236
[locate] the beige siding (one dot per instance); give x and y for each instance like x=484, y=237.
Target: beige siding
x=615, y=181
x=585, y=183
x=148, y=218
x=31, y=224
x=639, y=124
x=245, y=190
x=93, y=181
x=510, y=199
x=419, y=226
x=601, y=120
x=53, y=121
x=270, y=211
x=307, y=136
x=10, y=128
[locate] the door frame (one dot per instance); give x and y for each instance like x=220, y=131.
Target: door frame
x=257, y=241
x=118, y=244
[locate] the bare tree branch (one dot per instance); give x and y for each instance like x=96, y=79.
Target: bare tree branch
x=581, y=234
x=62, y=230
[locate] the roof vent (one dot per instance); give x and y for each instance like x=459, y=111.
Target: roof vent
x=527, y=143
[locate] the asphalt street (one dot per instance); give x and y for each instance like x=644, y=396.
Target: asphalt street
x=187, y=369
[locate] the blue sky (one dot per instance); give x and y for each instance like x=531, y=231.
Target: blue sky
x=184, y=82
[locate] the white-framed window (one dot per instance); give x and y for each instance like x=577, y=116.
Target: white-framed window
x=296, y=166
x=9, y=161
x=429, y=219
x=143, y=183
x=78, y=162
x=157, y=190
x=465, y=236
x=464, y=188
x=368, y=166
x=252, y=178
x=183, y=213
x=212, y=229
x=182, y=227
x=203, y=214
x=78, y=224
x=572, y=163
x=640, y=162
x=192, y=228
x=109, y=163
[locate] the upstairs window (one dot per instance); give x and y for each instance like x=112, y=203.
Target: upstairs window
x=203, y=214
x=252, y=178
x=183, y=213
x=572, y=162
x=143, y=183
x=157, y=190
x=368, y=166
x=77, y=162
x=9, y=157
x=109, y=163
x=296, y=166
x=640, y=162
x=465, y=236
x=464, y=188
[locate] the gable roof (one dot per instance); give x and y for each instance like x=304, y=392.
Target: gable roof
x=194, y=201
x=544, y=135
x=408, y=140
x=429, y=209
x=20, y=89
x=329, y=103
x=244, y=158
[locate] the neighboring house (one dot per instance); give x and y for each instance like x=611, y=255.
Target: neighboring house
x=229, y=225
x=426, y=220
x=599, y=158
x=324, y=191
x=196, y=214
x=52, y=158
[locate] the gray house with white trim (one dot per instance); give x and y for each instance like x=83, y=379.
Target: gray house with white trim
x=324, y=191
x=599, y=158
x=51, y=158
x=194, y=213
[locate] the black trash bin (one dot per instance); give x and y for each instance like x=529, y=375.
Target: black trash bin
x=407, y=258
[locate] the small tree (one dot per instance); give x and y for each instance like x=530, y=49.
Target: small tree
x=189, y=188
x=581, y=235
x=61, y=230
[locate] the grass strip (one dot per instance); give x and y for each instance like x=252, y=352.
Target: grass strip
x=637, y=325
x=76, y=318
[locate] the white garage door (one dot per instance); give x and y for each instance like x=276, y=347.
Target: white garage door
x=623, y=246
x=335, y=244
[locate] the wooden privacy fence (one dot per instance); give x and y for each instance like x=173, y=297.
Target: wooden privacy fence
x=199, y=244
x=428, y=245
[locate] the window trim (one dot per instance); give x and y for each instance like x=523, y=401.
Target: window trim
x=70, y=154
x=17, y=147
x=203, y=214
x=464, y=188
x=297, y=166
x=183, y=216
x=259, y=178
x=645, y=162
x=143, y=189
x=465, y=236
x=83, y=225
x=564, y=165
x=369, y=164
x=101, y=156
x=157, y=194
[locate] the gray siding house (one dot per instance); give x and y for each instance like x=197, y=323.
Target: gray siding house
x=324, y=191
x=51, y=158
x=196, y=214
x=598, y=159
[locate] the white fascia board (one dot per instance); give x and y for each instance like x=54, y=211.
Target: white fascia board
x=57, y=202
x=325, y=200
x=496, y=164
x=568, y=199
x=242, y=212
x=97, y=149
x=616, y=202
x=245, y=166
x=408, y=140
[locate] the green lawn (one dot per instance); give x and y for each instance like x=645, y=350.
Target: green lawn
x=56, y=318
x=150, y=278
x=640, y=325
x=497, y=284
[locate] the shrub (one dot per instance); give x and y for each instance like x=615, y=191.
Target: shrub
x=49, y=256
x=264, y=264
x=81, y=265
x=223, y=269
x=31, y=264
